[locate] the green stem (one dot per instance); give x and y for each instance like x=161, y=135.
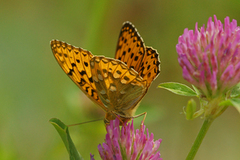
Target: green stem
x=206, y=124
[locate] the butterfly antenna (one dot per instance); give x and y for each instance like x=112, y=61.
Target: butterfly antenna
x=84, y=122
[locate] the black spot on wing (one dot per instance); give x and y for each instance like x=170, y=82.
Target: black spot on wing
x=136, y=58
x=86, y=64
x=83, y=73
x=82, y=82
x=132, y=55
x=70, y=72
x=90, y=79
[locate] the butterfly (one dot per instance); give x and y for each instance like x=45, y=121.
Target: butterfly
x=116, y=85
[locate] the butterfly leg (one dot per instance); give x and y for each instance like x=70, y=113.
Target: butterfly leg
x=127, y=118
x=145, y=115
x=111, y=115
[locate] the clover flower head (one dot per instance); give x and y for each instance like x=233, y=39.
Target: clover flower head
x=210, y=57
x=127, y=144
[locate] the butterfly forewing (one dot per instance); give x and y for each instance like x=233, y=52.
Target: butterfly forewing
x=130, y=46
x=120, y=88
x=76, y=64
x=132, y=51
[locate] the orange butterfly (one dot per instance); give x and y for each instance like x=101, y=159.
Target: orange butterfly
x=116, y=85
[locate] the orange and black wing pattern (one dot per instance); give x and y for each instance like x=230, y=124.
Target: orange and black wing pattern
x=132, y=51
x=76, y=64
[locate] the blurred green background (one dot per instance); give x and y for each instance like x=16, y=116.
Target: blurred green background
x=33, y=88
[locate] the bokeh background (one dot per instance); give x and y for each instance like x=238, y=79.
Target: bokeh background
x=33, y=88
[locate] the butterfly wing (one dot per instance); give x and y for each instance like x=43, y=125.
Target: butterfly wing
x=119, y=87
x=132, y=51
x=150, y=65
x=76, y=64
x=130, y=46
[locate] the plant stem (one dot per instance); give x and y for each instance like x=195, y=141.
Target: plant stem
x=206, y=124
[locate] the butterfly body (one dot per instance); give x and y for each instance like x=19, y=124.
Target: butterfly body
x=116, y=85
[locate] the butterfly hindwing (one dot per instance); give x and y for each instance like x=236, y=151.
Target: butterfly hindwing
x=76, y=64
x=119, y=88
x=150, y=65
